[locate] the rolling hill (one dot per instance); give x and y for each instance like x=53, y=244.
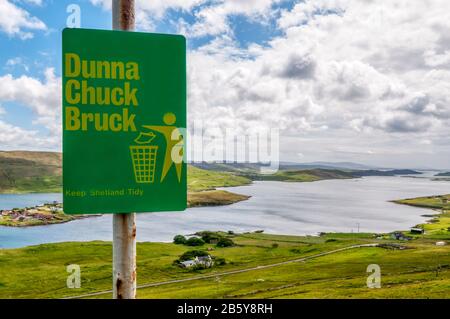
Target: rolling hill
x=23, y=171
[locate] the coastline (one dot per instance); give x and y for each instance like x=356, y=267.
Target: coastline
x=205, y=198
x=215, y=197
x=38, y=215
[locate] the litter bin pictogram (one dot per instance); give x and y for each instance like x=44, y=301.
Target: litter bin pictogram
x=144, y=158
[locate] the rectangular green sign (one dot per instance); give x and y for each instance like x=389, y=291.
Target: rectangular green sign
x=124, y=122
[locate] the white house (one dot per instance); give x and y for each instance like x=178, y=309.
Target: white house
x=205, y=261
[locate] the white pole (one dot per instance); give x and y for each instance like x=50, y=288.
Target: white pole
x=124, y=225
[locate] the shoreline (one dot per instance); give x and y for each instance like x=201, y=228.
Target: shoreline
x=38, y=215
x=435, y=219
x=216, y=200
x=205, y=198
x=50, y=224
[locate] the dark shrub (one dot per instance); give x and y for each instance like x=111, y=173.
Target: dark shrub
x=219, y=261
x=195, y=241
x=209, y=236
x=274, y=245
x=191, y=254
x=179, y=240
x=225, y=242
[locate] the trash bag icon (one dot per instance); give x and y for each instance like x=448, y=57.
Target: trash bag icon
x=143, y=157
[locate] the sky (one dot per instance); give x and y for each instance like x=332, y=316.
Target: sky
x=365, y=81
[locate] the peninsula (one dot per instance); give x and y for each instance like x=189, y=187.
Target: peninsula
x=46, y=214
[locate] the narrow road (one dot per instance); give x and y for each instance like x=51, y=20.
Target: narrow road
x=231, y=272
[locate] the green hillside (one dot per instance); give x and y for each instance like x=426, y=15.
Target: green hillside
x=200, y=179
x=28, y=172
x=306, y=175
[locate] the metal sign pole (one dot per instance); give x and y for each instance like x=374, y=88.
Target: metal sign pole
x=124, y=225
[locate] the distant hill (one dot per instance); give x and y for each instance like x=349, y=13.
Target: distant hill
x=229, y=167
x=23, y=171
x=294, y=172
x=443, y=174
x=330, y=165
x=246, y=167
x=393, y=172
x=302, y=175
x=302, y=172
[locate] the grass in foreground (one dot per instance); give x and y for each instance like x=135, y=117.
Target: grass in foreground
x=422, y=270
x=40, y=271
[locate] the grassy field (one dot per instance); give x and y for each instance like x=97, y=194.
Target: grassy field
x=421, y=270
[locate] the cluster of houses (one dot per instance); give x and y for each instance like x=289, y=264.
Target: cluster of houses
x=43, y=212
x=415, y=230
x=202, y=261
x=400, y=236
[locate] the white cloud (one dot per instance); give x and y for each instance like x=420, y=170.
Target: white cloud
x=17, y=61
x=42, y=97
x=306, y=11
x=344, y=71
x=14, y=138
x=212, y=19
x=16, y=21
x=211, y=15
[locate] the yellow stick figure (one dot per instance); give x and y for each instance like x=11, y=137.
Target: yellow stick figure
x=174, y=142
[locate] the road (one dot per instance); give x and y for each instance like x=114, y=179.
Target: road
x=231, y=272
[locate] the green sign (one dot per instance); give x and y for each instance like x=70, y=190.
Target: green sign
x=124, y=122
